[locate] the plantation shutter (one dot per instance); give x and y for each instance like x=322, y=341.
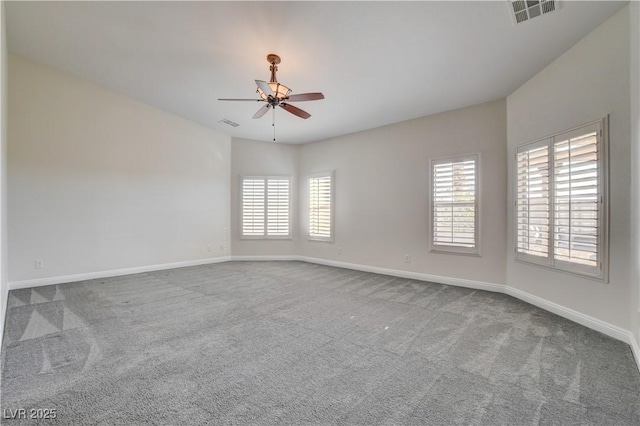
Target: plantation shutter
x=561, y=201
x=576, y=197
x=253, y=202
x=278, y=207
x=320, y=207
x=454, y=203
x=532, y=202
x=265, y=207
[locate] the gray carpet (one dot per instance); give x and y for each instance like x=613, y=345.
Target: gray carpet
x=292, y=343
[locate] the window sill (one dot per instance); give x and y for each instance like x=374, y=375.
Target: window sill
x=439, y=250
x=592, y=277
x=320, y=239
x=266, y=238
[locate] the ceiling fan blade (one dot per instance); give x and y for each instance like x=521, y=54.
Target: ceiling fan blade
x=305, y=97
x=254, y=100
x=295, y=111
x=264, y=86
x=262, y=111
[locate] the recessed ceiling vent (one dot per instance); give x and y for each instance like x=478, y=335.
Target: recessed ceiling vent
x=524, y=10
x=229, y=122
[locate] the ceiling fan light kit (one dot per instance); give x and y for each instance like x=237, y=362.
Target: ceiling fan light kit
x=280, y=91
x=275, y=94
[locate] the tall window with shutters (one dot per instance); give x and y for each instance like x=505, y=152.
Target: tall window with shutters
x=321, y=207
x=454, y=205
x=561, y=201
x=266, y=207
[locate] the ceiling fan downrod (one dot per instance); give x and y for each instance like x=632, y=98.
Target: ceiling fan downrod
x=274, y=60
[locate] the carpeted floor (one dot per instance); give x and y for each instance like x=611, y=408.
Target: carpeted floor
x=292, y=343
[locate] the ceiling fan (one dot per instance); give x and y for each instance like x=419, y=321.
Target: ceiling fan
x=277, y=94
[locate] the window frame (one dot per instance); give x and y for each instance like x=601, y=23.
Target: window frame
x=453, y=249
x=330, y=238
x=601, y=271
x=265, y=235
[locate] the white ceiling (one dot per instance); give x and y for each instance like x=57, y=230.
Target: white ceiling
x=376, y=62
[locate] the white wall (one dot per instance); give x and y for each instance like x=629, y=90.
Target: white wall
x=635, y=168
x=382, y=187
x=4, y=288
x=100, y=182
x=252, y=158
x=586, y=83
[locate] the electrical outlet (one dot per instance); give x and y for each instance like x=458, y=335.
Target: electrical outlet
x=39, y=264
x=339, y=250
x=407, y=258
x=222, y=247
x=209, y=247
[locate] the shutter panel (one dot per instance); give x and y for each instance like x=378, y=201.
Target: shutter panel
x=532, y=203
x=253, y=203
x=278, y=207
x=320, y=207
x=576, y=199
x=454, y=203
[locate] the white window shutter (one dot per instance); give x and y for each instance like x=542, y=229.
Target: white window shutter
x=561, y=201
x=320, y=207
x=266, y=207
x=278, y=207
x=455, y=204
x=532, y=203
x=253, y=203
x=576, y=199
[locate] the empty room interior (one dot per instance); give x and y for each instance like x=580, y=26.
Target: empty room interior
x=318, y=213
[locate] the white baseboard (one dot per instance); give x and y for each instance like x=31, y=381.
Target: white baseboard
x=479, y=285
x=595, y=324
x=460, y=282
x=635, y=349
x=4, y=299
x=15, y=285
x=570, y=314
x=266, y=258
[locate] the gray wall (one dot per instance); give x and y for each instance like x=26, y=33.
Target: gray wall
x=4, y=286
x=382, y=192
x=586, y=83
x=100, y=182
x=251, y=158
x=635, y=168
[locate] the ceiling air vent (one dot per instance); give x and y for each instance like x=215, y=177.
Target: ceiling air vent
x=524, y=10
x=229, y=122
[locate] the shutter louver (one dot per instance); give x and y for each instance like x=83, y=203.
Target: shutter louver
x=576, y=199
x=454, y=203
x=532, y=203
x=320, y=207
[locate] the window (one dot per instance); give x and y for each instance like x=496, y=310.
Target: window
x=561, y=201
x=321, y=207
x=266, y=207
x=454, y=205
